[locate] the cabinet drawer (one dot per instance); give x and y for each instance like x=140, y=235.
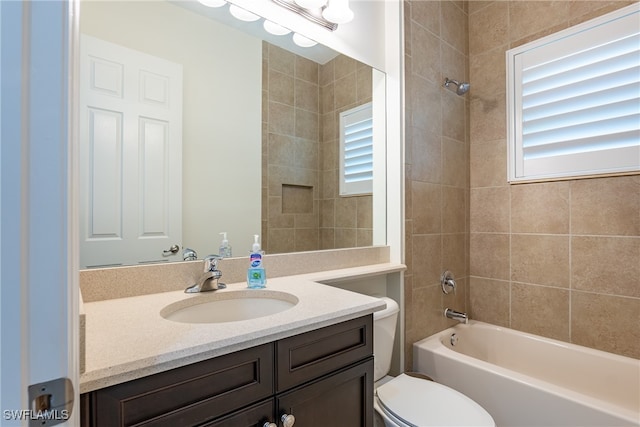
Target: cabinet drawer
x=189, y=395
x=253, y=416
x=310, y=355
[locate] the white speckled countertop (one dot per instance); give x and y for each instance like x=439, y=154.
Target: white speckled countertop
x=127, y=338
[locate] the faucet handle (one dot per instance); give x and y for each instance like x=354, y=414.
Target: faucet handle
x=447, y=282
x=211, y=262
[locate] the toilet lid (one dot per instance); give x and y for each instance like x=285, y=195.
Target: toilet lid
x=420, y=402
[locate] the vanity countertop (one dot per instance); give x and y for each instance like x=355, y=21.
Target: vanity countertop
x=127, y=338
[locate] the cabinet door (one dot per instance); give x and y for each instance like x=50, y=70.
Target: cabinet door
x=342, y=399
x=255, y=416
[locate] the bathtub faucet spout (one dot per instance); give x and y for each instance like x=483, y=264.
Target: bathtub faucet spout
x=457, y=315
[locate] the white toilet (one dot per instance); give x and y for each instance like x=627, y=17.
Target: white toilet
x=407, y=401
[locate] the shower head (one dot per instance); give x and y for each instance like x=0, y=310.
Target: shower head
x=462, y=88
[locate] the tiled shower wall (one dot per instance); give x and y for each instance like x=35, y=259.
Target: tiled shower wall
x=345, y=222
x=302, y=100
x=436, y=164
x=558, y=259
x=290, y=153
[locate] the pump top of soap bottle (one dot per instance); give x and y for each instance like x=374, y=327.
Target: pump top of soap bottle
x=225, y=247
x=256, y=244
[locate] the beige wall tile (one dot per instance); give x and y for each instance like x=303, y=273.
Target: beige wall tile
x=606, y=206
x=489, y=209
x=425, y=155
x=605, y=322
x=489, y=70
x=306, y=69
x=346, y=211
x=281, y=60
x=345, y=92
x=427, y=202
x=281, y=87
x=426, y=14
x=346, y=238
x=529, y=17
x=428, y=315
x=425, y=106
x=427, y=259
x=281, y=118
x=487, y=119
x=453, y=115
x=307, y=239
x=281, y=150
x=425, y=54
x=454, y=64
x=454, y=154
x=454, y=207
x=608, y=265
x=488, y=163
x=489, y=28
x=540, y=310
x=364, y=85
x=365, y=212
x=306, y=124
x=454, y=26
x=364, y=237
x=540, y=259
x=281, y=240
x=540, y=208
x=489, y=301
x=307, y=95
x=344, y=66
x=454, y=256
x=489, y=255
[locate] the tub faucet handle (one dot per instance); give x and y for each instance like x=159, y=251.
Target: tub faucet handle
x=448, y=283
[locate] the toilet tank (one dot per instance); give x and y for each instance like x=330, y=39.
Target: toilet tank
x=384, y=330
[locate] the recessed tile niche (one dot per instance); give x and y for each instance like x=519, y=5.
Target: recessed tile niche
x=297, y=199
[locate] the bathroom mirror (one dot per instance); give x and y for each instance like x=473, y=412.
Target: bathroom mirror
x=259, y=130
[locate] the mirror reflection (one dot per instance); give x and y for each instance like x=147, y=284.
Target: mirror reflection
x=257, y=129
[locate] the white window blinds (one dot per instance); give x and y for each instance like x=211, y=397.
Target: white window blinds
x=356, y=149
x=574, y=100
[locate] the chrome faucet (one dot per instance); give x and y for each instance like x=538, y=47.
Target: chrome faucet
x=457, y=315
x=208, y=281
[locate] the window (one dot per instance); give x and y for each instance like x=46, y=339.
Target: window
x=573, y=101
x=356, y=151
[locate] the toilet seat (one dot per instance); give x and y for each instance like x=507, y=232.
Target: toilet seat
x=418, y=402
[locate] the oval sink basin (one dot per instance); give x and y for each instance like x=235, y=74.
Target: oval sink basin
x=229, y=306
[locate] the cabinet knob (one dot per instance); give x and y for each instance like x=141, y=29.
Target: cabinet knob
x=268, y=424
x=288, y=420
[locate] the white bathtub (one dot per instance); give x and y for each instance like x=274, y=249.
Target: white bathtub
x=527, y=380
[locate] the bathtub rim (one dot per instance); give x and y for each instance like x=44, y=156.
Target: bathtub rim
x=433, y=344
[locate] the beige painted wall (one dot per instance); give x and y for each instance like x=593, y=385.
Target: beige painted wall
x=221, y=117
x=558, y=259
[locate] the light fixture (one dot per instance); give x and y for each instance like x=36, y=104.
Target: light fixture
x=243, y=15
x=338, y=11
x=313, y=15
x=275, y=29
x=311, y=4
x=213, y=3
x=302, y=41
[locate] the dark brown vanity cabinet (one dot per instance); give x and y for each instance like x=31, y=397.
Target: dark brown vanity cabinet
x=322, y=377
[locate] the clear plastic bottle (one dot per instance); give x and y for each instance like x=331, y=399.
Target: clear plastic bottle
x=225, y=247
x=256, y=274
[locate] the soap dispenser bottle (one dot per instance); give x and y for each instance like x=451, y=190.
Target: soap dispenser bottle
x=256, y=275
x=225, y=247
